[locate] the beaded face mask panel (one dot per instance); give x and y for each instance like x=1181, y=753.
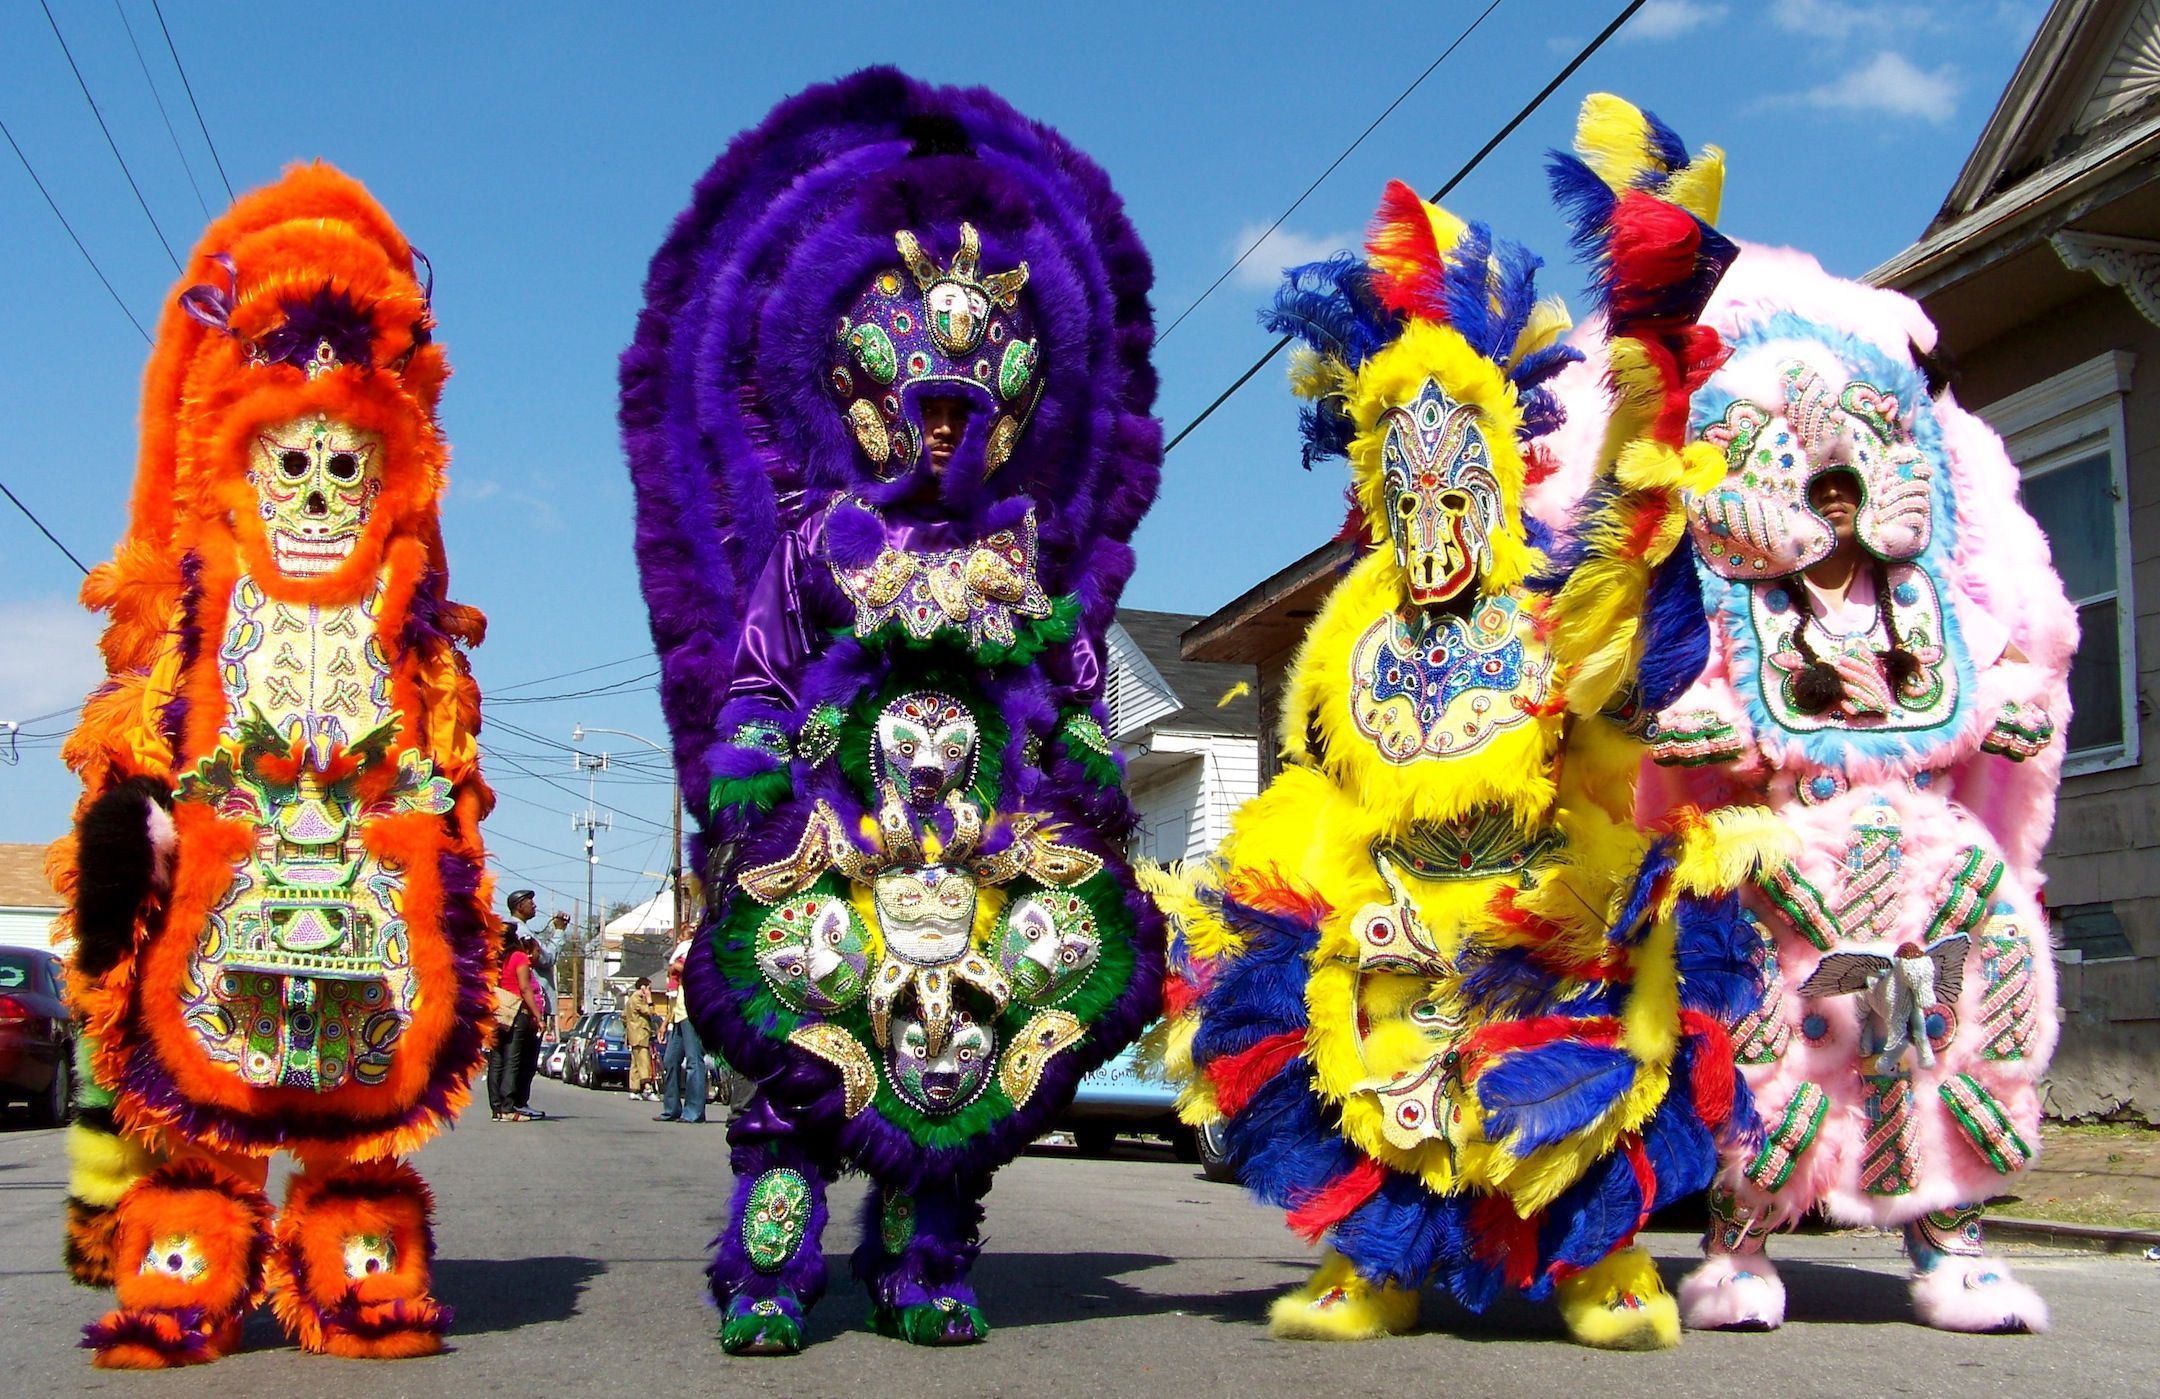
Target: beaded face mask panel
x=315, y=483
x=926, y=747
x=1443, y=501
x=953, y=329
x=1757, y=524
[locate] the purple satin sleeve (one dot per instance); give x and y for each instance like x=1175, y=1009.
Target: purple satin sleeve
x=1076, y=670
x=775, y=642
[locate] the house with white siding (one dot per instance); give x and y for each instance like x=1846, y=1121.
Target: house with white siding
x=1189, y=732
x=28, y=903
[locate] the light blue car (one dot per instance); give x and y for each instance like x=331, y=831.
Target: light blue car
x=1130, y=1095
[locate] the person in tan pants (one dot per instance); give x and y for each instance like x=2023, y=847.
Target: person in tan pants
x=639, y=1020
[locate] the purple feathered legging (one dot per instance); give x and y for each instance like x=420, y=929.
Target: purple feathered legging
x=916, y=1247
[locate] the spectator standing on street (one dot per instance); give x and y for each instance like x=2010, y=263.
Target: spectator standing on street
x=528, y=1061
x=682, y=1075
x=517, y=1039
x=639, y=1022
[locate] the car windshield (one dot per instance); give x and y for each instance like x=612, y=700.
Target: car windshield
x=611, y=1027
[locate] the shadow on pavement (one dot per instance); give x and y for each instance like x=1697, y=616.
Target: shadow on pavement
x=508, y=1294
x=1043, y=1289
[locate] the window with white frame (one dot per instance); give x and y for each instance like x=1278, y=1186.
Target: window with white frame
x=2066, y=435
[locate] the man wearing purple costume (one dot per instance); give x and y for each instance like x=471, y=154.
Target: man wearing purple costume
x=887, y=416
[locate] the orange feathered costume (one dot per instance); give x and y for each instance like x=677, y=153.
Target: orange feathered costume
x=276, y=884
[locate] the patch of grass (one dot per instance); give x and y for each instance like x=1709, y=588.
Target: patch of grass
x=2097, y=1130
x=2098, y=1210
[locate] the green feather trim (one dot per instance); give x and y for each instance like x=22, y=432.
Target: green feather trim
x=1101, y=768
x=1031, y=637
x=924, y=1323
x=769, y=1334
x=761, y=792
x=858, y=732
x=734, y=950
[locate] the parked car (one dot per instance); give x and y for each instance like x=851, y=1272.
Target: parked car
x=604, y=1056
x=551, y=1048
x=1129, y=1096
x=37, y=1040
x=575, y=1041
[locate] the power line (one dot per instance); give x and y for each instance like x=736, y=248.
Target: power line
x=102, y=279
x=1400, y=98
x=162, y=242
x=565, y=675
x=189, y=88
x=1459, y=176
x=615, y=687
x=42, y=530
x=159, y=99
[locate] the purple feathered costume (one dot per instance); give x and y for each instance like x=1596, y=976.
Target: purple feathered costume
x=887, y=416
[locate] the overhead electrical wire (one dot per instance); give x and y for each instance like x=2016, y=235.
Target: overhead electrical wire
x=32, y=516
x=612, y=688
x=156, y=97
x=1321, y=178
x=163, y=242
x=565, y=675
x=103, y=280
x=189, y=88
x=1581, y=57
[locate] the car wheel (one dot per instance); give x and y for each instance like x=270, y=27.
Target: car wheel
x=1095, y=1138
x=588, y=1076
x=57, y=1104
x=1207, y=1139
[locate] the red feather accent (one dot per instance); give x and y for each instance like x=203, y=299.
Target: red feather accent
x=1638, y=1159
x=1711, y=1074
x=1649, y=516
x=1178, y=995
x=1652, y=247
x=1267, y=891
x=1499, y=1037
x=1329, y=1205
x=1539, y=464
x=1407, y=270
x=1499, y=1235
x=1238, y=1076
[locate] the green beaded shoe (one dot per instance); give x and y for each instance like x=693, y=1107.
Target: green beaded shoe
x=948, y=1321
x=762, y=1326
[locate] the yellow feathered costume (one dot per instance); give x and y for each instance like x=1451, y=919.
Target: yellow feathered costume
x=1455, y=1011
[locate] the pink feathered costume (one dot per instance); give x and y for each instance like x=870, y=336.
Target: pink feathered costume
x=1903, y=733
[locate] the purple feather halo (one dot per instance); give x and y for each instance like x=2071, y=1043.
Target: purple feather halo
x=730, y=418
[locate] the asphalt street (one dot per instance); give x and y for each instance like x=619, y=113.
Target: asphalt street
x=573, y=1250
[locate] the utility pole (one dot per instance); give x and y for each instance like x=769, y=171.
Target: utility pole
x=577, y=735
x=589, y=820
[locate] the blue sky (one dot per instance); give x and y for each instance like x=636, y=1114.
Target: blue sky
x=537, y=153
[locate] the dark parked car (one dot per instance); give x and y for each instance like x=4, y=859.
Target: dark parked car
x=37, y=1039
x=599, y=1055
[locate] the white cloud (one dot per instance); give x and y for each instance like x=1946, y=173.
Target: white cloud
x=1285, y=247
x=48, y=657
x=1669, y=19
x=1888, y=84
x=1839, y=20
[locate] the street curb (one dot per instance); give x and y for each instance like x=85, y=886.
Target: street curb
x=2089, y=1238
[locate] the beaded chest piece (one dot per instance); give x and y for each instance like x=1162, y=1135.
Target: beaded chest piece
x=303, y=977
x=1440, y=687
x=977, y=591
